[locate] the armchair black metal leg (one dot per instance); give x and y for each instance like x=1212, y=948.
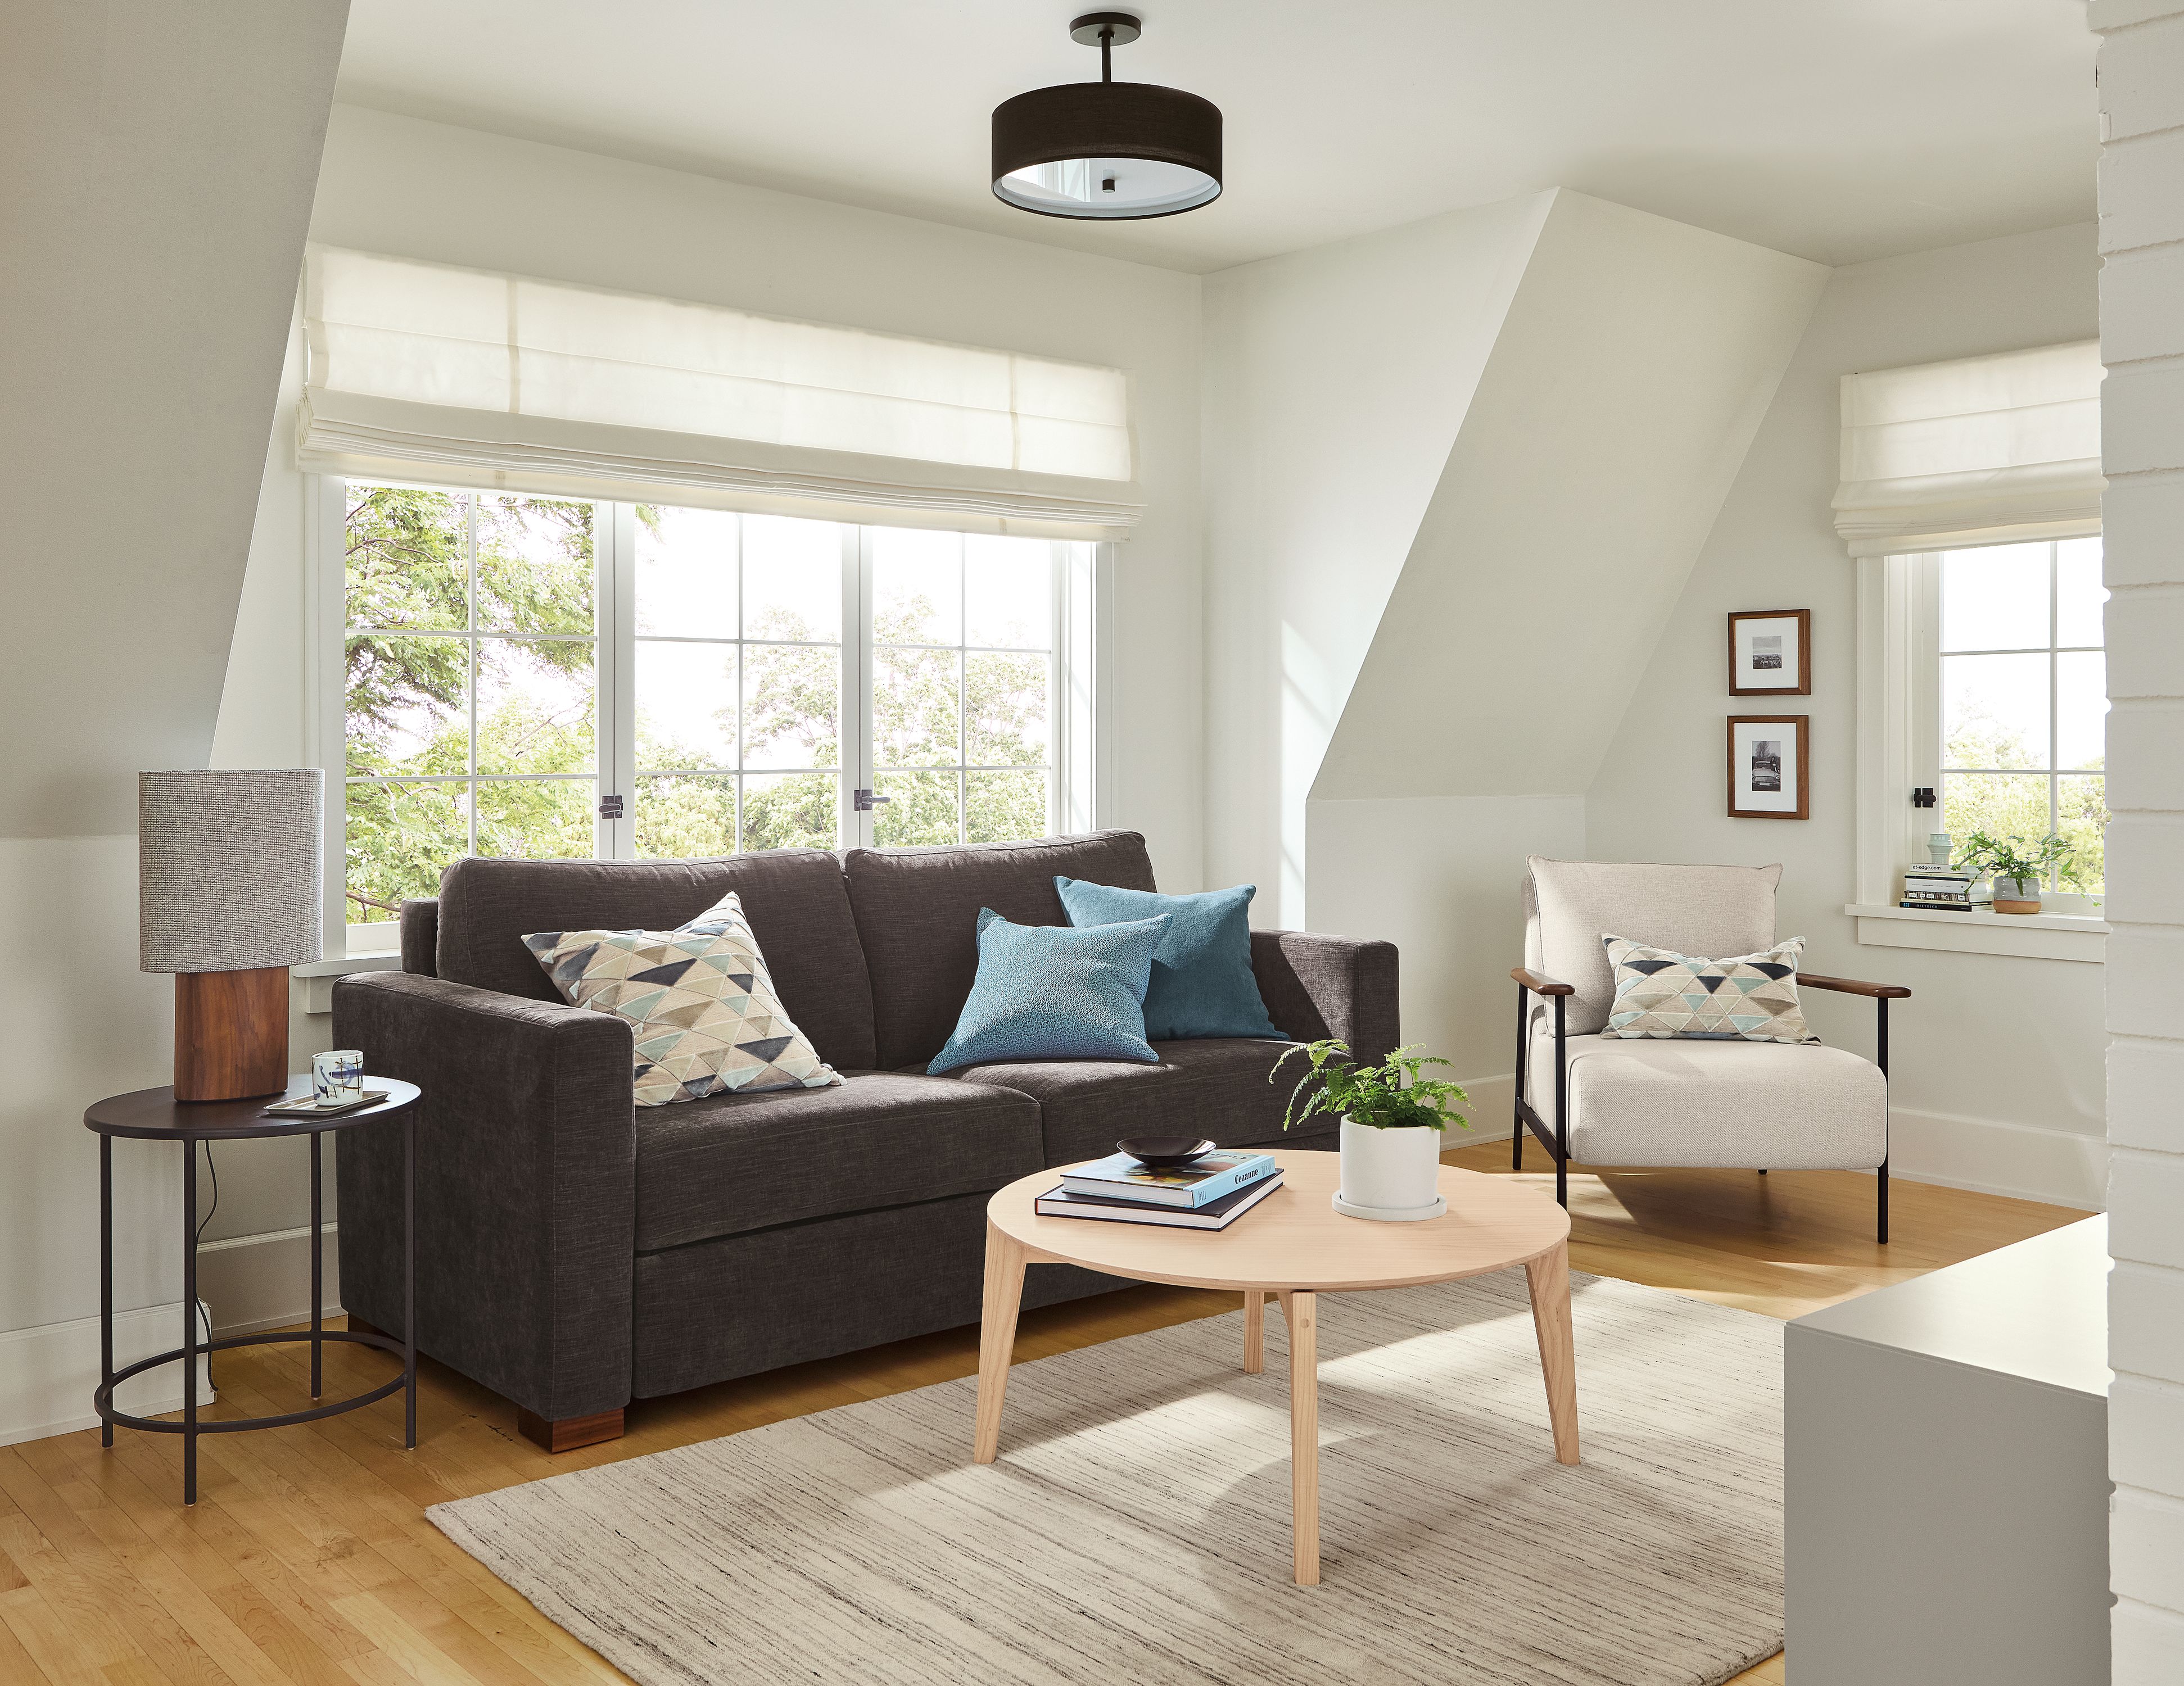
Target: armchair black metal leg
x=1561, y=1111
x=1881, y=1049
x=1517, y=1128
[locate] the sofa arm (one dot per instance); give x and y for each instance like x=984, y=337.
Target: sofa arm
x=526, y=1187
x=419, y=933
x=1318, y=987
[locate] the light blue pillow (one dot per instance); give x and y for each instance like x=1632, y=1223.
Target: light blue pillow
x=1202, y=983
x=1050, y=992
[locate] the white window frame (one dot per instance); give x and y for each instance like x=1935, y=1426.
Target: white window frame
x=1079, y=764
x=1898, y=751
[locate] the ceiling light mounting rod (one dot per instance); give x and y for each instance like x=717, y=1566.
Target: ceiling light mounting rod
x=1107, y=150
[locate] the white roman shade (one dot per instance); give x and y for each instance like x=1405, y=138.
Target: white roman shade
x=424, y=371
x=1978, y=449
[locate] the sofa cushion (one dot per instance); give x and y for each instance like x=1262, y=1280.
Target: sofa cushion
x=728, y=1164
x=917, y=916
x=1216, y=1087
x=794, y=898
x=1047, y=993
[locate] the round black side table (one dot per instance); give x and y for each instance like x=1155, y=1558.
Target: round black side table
x=155, y=1115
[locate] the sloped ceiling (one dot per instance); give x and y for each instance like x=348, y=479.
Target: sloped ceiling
x=1630, y=373
x=161, y=165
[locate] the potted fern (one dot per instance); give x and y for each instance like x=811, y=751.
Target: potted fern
x=2019, y=868
x=1392, y=1120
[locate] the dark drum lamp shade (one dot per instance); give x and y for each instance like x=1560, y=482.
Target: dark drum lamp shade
x=229, y=894
x=1106, y=150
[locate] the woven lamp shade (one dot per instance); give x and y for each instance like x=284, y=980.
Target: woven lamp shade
x=229, y=873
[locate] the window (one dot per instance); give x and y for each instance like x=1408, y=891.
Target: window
x=539, y=677
x=2022, y=694
x=1981, y=677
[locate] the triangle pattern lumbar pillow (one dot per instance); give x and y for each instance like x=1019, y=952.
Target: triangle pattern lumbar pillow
x=700, y=1001
x=1750, y=997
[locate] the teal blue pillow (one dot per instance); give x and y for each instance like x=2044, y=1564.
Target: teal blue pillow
x=1050, y=992
x=1202, y=984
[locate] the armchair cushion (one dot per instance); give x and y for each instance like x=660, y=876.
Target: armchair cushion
x=1569, y=906
x=1756, y=1105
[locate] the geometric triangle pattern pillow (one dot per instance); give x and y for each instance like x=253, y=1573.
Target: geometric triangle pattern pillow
x=700, y=1002
x=1751, y=998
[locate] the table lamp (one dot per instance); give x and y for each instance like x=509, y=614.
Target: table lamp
x=229, y=894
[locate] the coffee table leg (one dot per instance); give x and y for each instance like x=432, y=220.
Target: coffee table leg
x=1301, y=1312
x=1255, y=1331
x=997, y=1338
x=1549, y=1278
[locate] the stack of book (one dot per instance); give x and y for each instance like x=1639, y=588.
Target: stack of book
x=1947, y=887
x=1208, y=1193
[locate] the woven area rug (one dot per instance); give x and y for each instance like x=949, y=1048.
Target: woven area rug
x=1137, y=1526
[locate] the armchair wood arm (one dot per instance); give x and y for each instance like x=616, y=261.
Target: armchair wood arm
x=1547, y=986
x=1852, y=985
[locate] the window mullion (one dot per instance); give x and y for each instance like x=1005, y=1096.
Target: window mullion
x=469, y=610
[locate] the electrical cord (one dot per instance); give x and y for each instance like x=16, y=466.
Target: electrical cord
x=200, y=1311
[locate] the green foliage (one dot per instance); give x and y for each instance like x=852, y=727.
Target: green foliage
x=2013, y=857
x=1388, y=1096
x=528, y=613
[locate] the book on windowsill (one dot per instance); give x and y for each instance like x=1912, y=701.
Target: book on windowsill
x=1202, y=1181
x=1215, y=1215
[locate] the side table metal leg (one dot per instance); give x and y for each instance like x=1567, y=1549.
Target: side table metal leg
x=409, y=1277
x=189, y=1322
x=318, y=1298
x=106, y=1283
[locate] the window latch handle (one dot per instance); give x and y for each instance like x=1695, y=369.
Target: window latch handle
x=1923, y=797
x=610, y=808
x=864, y=801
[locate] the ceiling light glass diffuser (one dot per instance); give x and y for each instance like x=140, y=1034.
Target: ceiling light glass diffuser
x=1107, y=150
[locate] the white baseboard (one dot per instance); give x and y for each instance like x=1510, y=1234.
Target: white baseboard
x=1987, y=1156
x=263, y=1282
x=47, y=1373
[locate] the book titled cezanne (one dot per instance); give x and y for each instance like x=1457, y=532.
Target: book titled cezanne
x=1120, y=1178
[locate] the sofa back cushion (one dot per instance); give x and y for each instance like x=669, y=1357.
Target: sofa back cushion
x=1570, y=905
x=795, y=899
x=918, y=915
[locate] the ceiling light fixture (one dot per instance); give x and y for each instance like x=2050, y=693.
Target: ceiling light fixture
x=1106, y=150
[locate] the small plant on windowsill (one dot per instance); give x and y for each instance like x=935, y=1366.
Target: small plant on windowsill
x=1392, y=1119
x=2019, y=868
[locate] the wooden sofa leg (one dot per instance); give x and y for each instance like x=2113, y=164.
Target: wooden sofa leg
x=566, y=1433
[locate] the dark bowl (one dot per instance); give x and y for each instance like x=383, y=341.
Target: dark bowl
x=1165, y=1153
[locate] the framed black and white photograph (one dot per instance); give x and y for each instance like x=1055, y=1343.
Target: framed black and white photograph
x=1769, y=763
x=1771, y=653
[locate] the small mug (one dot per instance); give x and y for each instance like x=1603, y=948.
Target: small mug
x=337, y=1075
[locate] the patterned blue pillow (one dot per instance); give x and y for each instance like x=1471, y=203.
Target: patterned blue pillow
x=1050, y=992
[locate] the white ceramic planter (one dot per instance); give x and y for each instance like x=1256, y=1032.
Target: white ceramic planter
x=1390, y=1175
x=2017, y=895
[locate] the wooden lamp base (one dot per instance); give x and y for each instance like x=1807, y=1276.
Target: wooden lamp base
x=230, y=1033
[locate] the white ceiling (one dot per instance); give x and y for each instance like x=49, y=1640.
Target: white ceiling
x=1837, y=130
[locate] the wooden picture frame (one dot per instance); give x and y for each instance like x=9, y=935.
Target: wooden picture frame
x=1770, y=641
x=1769, y=771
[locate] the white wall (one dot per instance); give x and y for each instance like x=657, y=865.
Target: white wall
x=1336, y=379
x=160, y=162
x=2142, y=84
x=1996, y=1061
x=1446, y=521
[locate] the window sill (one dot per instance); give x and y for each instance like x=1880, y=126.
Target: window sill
x=2032, y=936
x=318, y=976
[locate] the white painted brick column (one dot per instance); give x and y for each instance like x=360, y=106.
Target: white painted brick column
x=2142, y=193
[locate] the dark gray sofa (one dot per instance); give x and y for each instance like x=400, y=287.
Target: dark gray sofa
x=576, y=1251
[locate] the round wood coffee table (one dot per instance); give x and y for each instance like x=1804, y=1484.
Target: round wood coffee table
x=1294, y=1246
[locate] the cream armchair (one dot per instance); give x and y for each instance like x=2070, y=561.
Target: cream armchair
x=1681, y=1101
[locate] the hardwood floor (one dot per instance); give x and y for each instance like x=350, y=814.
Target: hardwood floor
x=308, y=1558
